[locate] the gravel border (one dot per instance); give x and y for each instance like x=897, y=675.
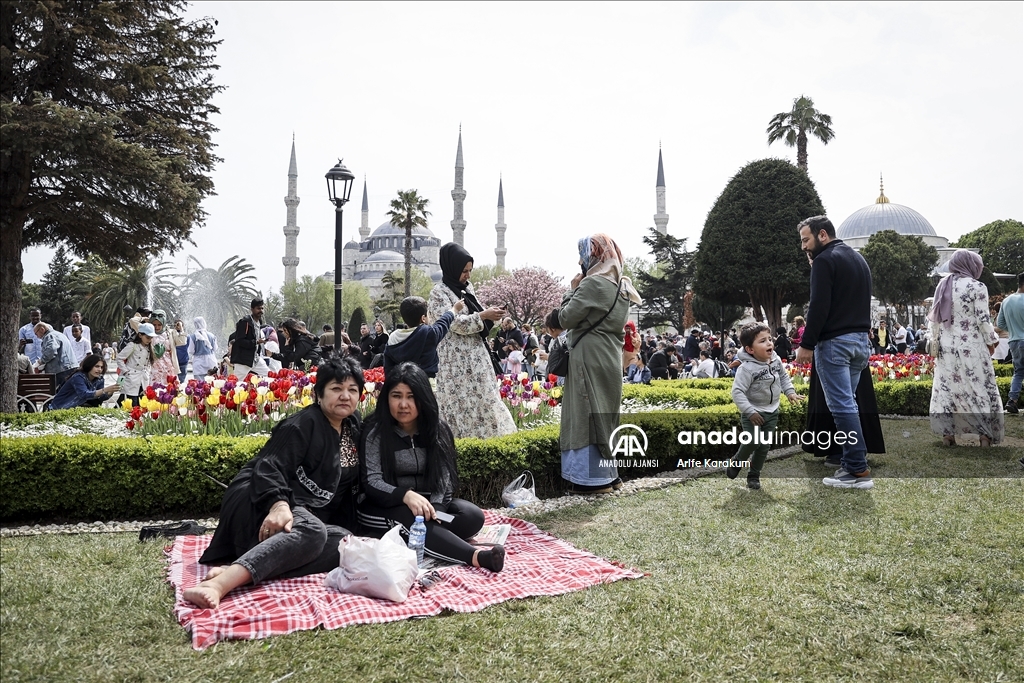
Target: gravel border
x=633, y=486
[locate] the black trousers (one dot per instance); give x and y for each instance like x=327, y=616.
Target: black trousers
x=445, y=540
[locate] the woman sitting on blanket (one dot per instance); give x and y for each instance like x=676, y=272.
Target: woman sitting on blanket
x=287, y=510
x=407, y=466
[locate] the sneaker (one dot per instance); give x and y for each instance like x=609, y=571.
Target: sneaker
x=833, y=461
x=732, y=472
x=1011, y=407
x=617, y=484
x=754, y=483
x=844, y=480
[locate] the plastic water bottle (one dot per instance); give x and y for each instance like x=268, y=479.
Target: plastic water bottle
x=418, y=538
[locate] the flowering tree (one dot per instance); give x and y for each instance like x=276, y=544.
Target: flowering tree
x=526, y=293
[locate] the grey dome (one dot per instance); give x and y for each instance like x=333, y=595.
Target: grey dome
x=437, y=276
x=386, y=256
x=352, y=244
x=389, y=230
x=885, y=216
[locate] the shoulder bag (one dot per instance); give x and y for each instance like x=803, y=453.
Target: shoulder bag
x=558, y=356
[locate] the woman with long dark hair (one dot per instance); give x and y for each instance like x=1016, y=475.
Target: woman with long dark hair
x=298, y=347
x=407, y=467
x=85, y=387
x=287, y=510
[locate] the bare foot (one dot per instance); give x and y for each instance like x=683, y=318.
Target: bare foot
x=215, y=572
x=985, y=441
x=206, y=595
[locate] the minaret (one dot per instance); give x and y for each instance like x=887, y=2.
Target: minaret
x=660, y=218
x=499, y=227
x=291, y=230
x=364, y=226
x=459, y=195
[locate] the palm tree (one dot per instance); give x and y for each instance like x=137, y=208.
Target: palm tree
x=794, y=126
x=105, y=291
x=408, y=211
x=220, y=295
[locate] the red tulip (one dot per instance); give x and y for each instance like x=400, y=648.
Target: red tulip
x=150, y=393
x=203, y=418
x=129, y=424
x=155, y=415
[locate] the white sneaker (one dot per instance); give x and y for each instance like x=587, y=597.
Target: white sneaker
x=844, y=480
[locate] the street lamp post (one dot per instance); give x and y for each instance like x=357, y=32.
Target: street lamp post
x=339, y=188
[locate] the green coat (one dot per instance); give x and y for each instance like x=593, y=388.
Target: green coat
x=594, y=384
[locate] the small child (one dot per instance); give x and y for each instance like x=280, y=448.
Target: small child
x=759, y=384
x=418, y=342
x=514, y=362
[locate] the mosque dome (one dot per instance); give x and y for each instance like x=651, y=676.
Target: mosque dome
x=389, y=230
x=863, y=224
x=884, y=215
x=437, y=276
x=385, y=256
x=352, y=244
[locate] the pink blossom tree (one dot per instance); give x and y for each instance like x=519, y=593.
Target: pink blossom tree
x=526, y=293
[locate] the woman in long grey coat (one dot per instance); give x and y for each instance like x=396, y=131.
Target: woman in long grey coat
x=594, y=311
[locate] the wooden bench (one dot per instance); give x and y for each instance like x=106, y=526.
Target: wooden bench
x=35, y=392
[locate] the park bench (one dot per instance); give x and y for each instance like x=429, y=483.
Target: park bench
x=35, y=391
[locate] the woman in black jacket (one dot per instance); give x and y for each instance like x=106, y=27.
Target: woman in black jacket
x=287, y=510
x=298, y=347
x=377, y=344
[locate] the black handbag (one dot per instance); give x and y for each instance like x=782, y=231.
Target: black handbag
x=558, y=355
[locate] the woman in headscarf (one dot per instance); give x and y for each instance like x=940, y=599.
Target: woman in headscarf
x=594, y=311
x=467, y=388
x=202, y=349
x=166, y=359
x=630, y=346
x=965, y=399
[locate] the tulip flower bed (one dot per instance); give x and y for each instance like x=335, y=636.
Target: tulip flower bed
x=532, y=403
x=230, y=406
x=884, y=367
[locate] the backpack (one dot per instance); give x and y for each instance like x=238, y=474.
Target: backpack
x=127, y=335
x=721, y=369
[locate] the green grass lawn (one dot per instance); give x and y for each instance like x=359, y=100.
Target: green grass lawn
x=916, y=580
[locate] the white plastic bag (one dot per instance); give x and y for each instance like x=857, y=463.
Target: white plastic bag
x=521, y=491
x=377, y=569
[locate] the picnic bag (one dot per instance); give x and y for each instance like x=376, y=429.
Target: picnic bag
x=384, y=568
x=520, y=491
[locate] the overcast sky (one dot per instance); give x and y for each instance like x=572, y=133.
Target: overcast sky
x=569, y=102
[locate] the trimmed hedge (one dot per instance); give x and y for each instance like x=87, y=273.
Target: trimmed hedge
x=92, y=477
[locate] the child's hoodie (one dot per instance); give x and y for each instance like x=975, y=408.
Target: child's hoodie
x=417, y=345
x=759, y=386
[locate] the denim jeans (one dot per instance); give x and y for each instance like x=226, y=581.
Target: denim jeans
x=311, y=547
x=838, y=363
x=1017, y=352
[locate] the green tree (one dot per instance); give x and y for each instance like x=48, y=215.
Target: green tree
x=355, y=321
x=221, y=295
x=386, y=306
x=105, y=291
x=901, y=267
x=106, y=139
x=664, y=286
x=1001, y=246
x=30, y=297
x=57, y=302
x=795, y=125
x=408, y=211
x=749, y=252
x=717, y=316
x=312, y=301
x=485, y=273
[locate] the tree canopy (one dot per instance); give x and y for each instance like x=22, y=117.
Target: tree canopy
x=1001, y=246
x=663, y=286
x=106, y=136
x=312, y=300
x=901, y=266
x=749, y=251
x=795, y=125
x=526, y=293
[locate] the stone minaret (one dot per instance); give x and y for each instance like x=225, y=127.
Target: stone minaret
x=364, y=226
x=660, y=218
x=291, y=230
x=499, y=227
x=459, y=195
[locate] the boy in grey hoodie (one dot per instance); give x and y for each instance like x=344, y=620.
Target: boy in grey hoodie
x=760, y=382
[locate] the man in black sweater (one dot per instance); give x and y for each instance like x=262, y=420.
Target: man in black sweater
x=836, y=338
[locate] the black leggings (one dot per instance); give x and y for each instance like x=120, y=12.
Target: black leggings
x=445, y=540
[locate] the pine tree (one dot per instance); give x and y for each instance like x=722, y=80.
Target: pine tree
x=56, y=303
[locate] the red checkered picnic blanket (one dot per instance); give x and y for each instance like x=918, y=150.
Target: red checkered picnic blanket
x=536, y=563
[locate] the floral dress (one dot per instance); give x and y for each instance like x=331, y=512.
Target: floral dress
x=467, y=389
x=965, y=399
x=166, y=362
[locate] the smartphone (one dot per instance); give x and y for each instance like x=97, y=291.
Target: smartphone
x=444, y=516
